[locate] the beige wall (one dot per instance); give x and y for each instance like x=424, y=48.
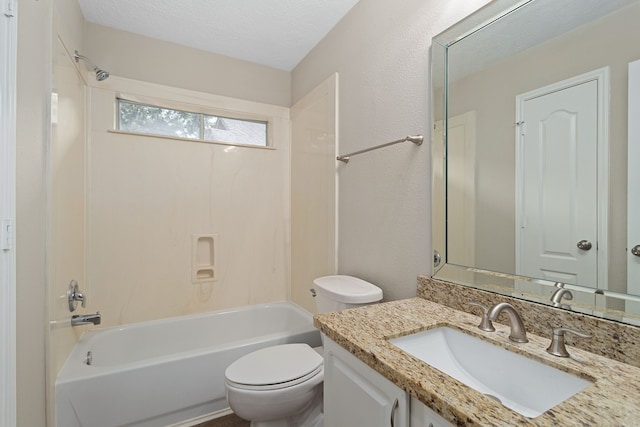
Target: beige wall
x=141, y=58
x=381, y=51
x=34, y=63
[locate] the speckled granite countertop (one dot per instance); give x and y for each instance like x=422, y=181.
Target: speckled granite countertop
x=613, y=399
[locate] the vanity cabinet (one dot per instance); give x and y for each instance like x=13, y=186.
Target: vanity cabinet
x=356, y=395
x=423, y=416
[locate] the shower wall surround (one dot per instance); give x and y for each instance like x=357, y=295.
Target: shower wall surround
x=148, y=197
x=67, y=153
x=66, y=223
x=203, y=258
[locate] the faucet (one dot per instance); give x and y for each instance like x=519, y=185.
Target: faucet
x=518, y=333
x=86, y=319
x=557, y=296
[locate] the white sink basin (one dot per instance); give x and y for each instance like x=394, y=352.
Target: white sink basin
x=524, y=385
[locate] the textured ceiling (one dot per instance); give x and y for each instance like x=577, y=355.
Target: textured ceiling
x=276, y=33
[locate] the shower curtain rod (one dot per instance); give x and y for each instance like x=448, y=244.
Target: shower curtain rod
x=416, y=139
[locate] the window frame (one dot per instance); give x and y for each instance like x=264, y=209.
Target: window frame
x=202, y=110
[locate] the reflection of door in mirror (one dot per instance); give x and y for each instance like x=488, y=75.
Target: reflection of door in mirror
x=438, y=211
x=557, y=169
x=461, y=194
x=633, y=190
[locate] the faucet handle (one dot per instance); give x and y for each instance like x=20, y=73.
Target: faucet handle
x=485, y=323
x=557, y=346
x=74, y=295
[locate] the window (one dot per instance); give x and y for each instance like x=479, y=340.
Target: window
x=155, y=120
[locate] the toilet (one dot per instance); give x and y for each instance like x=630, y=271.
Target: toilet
x=281, y=386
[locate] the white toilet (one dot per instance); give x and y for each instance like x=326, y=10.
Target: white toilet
x=281, y=386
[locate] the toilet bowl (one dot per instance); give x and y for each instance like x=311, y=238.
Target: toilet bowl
x=281, y=386
x=278, y=386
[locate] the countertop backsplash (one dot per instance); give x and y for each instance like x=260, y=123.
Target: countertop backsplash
x=614, y=340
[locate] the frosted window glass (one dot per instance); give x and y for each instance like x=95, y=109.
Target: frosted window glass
x=223, y=129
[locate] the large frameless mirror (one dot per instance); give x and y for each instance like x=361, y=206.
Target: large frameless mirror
x=535, y=193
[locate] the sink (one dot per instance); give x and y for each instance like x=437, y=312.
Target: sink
x=519, y=383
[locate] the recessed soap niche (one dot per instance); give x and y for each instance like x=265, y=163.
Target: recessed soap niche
x=203, y=265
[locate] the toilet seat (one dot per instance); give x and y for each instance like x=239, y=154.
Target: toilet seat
x=275, y=367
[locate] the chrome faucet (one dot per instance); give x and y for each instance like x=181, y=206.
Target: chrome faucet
x=518, y=333
x=86, y=319
x=74, y=295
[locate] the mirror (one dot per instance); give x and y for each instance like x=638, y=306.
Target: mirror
x=530, y=153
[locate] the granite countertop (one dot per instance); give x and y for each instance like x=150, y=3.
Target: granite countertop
x=612, y=400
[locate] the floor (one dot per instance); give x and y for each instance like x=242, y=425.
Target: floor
x=227, y=421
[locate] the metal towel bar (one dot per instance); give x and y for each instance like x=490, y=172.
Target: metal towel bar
x=416, y=139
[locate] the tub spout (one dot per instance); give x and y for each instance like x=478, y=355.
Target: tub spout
x=86, y=319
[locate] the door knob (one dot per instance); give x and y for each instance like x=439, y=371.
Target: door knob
x=636, y=250
x=585, y=245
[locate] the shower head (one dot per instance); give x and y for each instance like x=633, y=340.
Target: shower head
x=100, y=74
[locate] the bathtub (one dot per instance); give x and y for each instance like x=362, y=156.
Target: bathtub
x=170, y=371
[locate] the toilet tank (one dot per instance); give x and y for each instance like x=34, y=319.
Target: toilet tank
x=333, y=293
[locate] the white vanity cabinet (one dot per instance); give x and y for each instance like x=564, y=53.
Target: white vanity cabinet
x=357, y=396
x=423, y=416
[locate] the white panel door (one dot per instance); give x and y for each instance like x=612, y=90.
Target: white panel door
x=461, y=189
x=633, y=187
x=559, y=205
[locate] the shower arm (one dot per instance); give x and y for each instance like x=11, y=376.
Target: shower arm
x=78, y=57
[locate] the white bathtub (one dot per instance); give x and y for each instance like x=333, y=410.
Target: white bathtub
x=169, y=371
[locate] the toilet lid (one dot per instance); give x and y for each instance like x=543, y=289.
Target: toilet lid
x=348, y=289
x=275, y=367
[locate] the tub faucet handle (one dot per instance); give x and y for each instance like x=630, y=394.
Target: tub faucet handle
x=485, y=323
